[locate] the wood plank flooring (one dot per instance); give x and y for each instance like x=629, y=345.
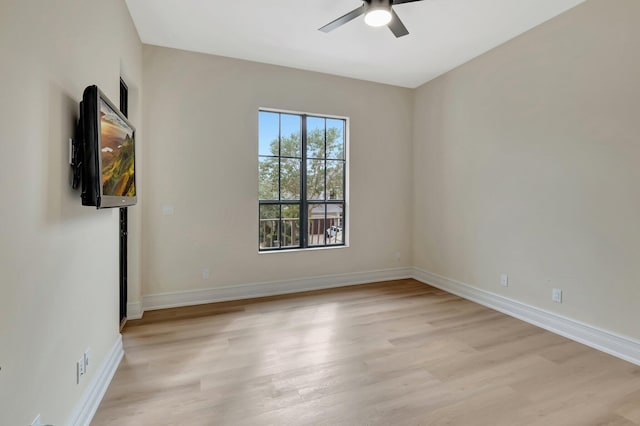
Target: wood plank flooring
x=389, y=353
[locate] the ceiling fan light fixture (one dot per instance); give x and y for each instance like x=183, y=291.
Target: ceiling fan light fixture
x=377, y=17
x=377, y=13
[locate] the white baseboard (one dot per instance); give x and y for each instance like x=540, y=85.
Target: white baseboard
x=134, y=310
x=605, y=341
x=272, y=288
x=86, y=407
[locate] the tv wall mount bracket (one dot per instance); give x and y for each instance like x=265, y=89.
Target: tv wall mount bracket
x=75, y=160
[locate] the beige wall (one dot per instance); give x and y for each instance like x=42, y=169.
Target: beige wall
x=526, y=162
x=58, y=260
x=201, y=124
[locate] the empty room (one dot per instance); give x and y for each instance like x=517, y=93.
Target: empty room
x=329, y=212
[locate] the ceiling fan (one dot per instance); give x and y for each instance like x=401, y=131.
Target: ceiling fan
x=376, y=14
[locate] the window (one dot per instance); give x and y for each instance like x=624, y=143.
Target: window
x=301, y=180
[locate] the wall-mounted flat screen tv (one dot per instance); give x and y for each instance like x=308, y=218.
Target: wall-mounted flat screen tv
x=109, y=167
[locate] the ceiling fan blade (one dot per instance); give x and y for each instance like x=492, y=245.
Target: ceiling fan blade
x=344, y=19
x=396, y=26
x=404, y=1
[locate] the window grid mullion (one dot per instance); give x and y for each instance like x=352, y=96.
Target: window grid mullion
x=304, y=223
x=280, y=180
x=324, y=168
x=279, y=156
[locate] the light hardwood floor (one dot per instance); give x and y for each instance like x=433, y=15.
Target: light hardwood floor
x=390, y=353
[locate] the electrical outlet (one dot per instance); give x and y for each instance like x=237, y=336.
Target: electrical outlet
x=398, y=256
x=87, y=358
x=556, y=295
x=36, y=421
x=80, y=369
x=504, y=280
x=205, y=274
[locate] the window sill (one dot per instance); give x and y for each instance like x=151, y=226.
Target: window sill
x=303, y=249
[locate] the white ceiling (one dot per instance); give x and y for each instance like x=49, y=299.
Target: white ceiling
x=443, y=33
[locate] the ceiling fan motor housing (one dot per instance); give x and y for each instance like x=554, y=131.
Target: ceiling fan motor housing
x=379, y=4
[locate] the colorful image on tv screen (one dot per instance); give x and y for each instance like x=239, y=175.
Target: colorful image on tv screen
x=117, y=146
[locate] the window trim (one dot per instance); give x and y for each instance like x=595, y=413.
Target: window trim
x=303, y=202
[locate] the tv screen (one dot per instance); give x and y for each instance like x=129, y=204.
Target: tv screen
x=116, y=148
x=108, y=178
